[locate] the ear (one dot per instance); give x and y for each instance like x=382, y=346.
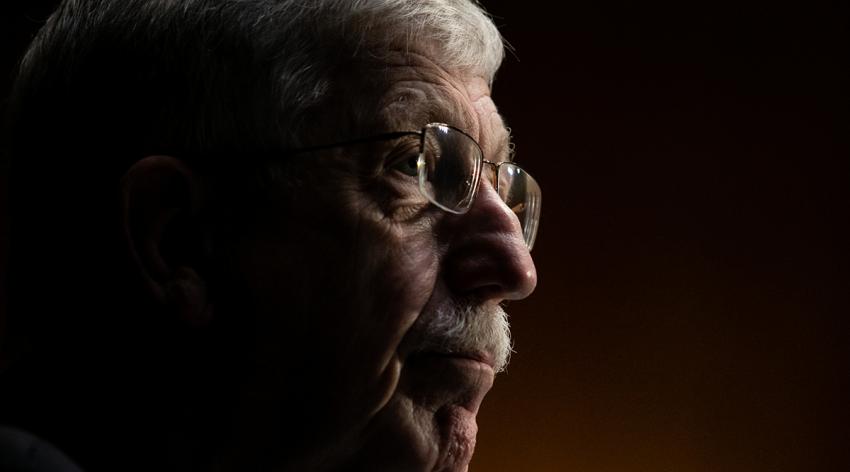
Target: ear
x=161, y=199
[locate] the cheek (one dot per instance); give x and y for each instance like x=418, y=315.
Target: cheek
x=387, y=272
x=332, y=309
x=388, y=285
x=390, y=276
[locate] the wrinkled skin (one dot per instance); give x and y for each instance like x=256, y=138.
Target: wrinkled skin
x=340, y=283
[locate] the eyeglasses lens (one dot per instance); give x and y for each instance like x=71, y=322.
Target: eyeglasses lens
x=521, y=194
x=450, y=166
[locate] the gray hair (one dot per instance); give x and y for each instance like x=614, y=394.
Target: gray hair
x=458, y=32
x=207, y=75
x=464, y=36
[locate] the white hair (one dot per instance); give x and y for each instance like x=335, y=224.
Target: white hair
x=236, y=74
x=461, y=34
x=316, y=37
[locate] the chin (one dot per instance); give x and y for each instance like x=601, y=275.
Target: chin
x=429, y=423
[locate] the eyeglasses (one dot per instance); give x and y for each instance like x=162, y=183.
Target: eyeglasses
x=449, y=168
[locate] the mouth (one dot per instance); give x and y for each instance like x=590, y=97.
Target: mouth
x=462, y=378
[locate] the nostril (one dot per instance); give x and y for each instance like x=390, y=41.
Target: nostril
x=486, y=292
x=490, y=266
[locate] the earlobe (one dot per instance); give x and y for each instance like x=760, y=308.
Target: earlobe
x=160, y=201
x=186, y=295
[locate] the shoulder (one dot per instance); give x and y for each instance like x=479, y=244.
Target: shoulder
x=23, y=452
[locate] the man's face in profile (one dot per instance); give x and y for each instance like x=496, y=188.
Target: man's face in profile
x=380, y=325
x=281, y=301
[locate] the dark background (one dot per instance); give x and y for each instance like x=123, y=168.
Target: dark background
x=694, y=282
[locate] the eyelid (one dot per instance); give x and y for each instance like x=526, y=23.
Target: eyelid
x=405, y=146
x=402, y=160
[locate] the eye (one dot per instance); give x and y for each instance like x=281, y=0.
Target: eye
x=407, y=165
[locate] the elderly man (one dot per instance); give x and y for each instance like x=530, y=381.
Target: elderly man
x=259, y=235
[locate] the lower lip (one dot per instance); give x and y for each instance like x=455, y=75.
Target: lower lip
x=458, y=376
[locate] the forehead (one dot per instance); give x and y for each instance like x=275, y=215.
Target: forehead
x=411, y=90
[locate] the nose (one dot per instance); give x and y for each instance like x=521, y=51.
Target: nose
x=487, y=257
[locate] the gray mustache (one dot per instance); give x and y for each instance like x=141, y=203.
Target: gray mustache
x=466, y=328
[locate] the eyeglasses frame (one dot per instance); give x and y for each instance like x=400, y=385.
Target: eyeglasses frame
x=421, y=161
